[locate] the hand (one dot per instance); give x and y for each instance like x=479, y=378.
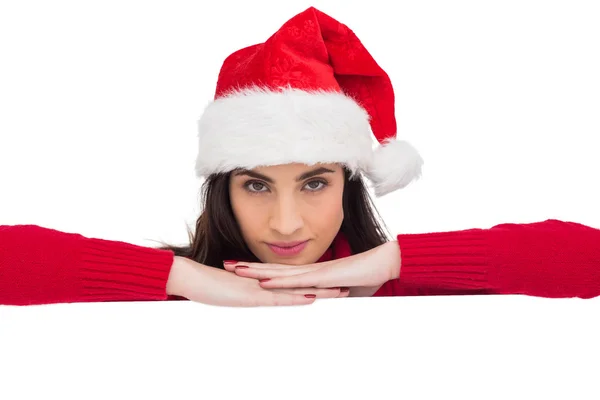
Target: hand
x=208, y=285
x=363, y=273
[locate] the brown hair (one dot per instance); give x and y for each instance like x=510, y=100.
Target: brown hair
x=217, y=236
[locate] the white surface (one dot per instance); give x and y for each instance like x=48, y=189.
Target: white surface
x=99, y=106
x=489, y=347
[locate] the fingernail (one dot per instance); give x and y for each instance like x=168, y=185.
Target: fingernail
x=310, y=296
x=264, y=280
x=344, y=289
x=241, y=266
x=229, y=262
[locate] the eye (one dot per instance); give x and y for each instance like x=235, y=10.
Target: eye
x=254, y=186
x=314, y=185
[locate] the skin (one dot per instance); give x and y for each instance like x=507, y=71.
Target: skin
x=280, y=206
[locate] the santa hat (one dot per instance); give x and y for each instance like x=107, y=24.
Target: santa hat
x=310, y=94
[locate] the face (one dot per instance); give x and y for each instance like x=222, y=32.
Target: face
x=279, y=206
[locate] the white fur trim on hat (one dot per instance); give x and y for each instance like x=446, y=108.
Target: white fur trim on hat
x=257, y=127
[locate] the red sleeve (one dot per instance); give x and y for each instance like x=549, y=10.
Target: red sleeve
x=545, y=259
x=40, y=265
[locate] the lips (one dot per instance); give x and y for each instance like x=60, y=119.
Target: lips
x=286, y=244
x=287, y=248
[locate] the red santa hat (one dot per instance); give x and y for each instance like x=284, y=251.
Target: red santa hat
x=310, y=94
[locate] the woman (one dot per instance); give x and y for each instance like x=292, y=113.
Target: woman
x=286, y=150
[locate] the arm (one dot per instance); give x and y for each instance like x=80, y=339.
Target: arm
x=546, y=259
x=40, y=265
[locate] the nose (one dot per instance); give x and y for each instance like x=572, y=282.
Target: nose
x=285, y=216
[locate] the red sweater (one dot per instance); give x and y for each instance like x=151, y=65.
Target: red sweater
x=547, y=259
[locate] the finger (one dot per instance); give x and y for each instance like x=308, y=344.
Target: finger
x=328, y=293
x=319, y=278
x=344, y=292
x=307, y=280
x=271, y=298
x=271, y=272
x=231, y=265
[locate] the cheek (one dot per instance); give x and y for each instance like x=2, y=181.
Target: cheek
x=248, y=212
x=240, y=209
x=327, y=213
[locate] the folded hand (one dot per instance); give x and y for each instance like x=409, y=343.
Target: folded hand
x=363, y=273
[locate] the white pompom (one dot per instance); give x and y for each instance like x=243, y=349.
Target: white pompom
x=394, y=165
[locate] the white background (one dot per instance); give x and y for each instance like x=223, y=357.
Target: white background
x=98, y=108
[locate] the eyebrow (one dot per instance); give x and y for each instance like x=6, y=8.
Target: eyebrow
x=305, y=175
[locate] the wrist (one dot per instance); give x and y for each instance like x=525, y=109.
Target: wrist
x=394, y=258
x=176, y=280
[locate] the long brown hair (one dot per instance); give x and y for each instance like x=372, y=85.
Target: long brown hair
x=217, y=234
